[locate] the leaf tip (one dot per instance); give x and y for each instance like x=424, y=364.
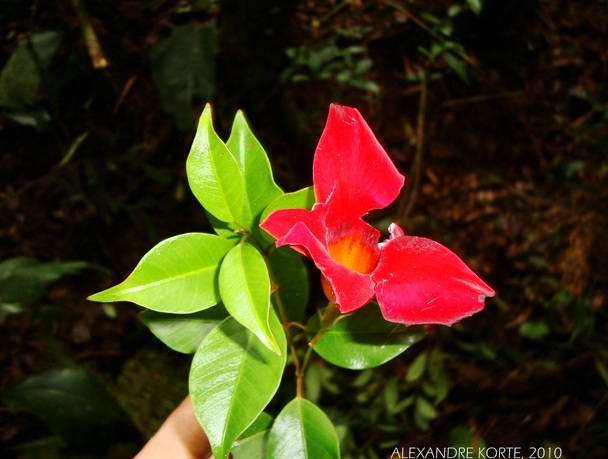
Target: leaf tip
x=98, y=297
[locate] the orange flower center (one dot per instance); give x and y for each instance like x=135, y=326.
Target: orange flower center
x=353, y=253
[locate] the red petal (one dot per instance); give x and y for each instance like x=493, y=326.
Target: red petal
x=351, y=170
x=351, y=289
x=281, y=222
x=354, y=244
x=419, y=281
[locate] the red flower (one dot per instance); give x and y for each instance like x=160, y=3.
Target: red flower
x=415, y=280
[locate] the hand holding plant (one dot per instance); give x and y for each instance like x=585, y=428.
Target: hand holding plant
x=238, y=299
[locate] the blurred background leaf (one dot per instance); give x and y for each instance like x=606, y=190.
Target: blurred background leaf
x=75, y=406
x=24, y=281
x=22, y=76
x=184, y=70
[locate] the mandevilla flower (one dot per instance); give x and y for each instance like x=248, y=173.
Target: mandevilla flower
x=416, y=281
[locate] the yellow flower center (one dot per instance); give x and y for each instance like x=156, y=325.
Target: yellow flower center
x=353, y=253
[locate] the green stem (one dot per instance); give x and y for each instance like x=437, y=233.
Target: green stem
x=327, y=321
x=298, y=367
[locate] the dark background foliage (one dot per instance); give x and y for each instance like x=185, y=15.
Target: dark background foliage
x=495, y=110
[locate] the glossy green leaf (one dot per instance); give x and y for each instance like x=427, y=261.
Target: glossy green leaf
x=303, y=431
x=260, y=188
x=214, y=174
x=74, y=405
x=227, y=230
x=252, y=443
x=261, y=424
x=178, y=275
x=245, y=290
x=291, y=285
x=363, y=339
x=232, y=379
x=301, y=199
x=183, y=332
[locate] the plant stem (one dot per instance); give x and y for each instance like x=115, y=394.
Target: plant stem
x=298, y=367
x=412, y=186
x=90, y=36
x=327, y=320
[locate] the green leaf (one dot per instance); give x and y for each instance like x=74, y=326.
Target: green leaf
x=23, y=280
x=534, y=330
x=303, y=431
x=438, y=375
x=457, y=65
x=363, y=339
x=232, y=379
x=178, y=275
x=183, y=332
x=301, y=199
x=390, y=395
x=21, y=77
x=214, y=174
x=602, y=370
x=225, y=229
x=464, y=437
x=74, y=405
x=183, y=70
x=476, y=6
x=290, y=275
x=260, y=188
x=252, y=443
x=261, y=424
x=245, y=290
x=9, y=309
x=46, y=273
x=425, y=409
x=416, y=368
